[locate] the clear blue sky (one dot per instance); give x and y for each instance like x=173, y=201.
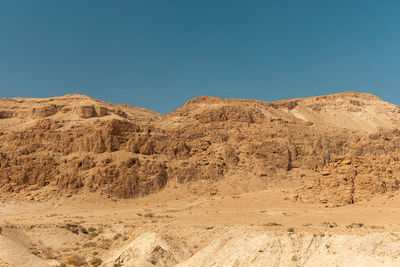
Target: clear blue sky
x=159, y=54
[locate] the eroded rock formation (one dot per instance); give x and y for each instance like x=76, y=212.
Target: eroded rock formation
x=347, y=144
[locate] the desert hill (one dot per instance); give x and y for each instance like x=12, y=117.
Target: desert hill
x=335, y=149
x=221, y=182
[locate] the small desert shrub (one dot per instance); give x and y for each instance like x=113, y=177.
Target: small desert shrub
x=106, y=244
x=92, y=236
x=149, y=215
x=91, y=229
x=83, y=230
x=330, y=225
x=117, y=236
x=355, y=225
x=89, y=244
x=48, y=253
x=290, y=230
x=96, y=262
x=272, y=224
x=75, y=260
x=35, y=251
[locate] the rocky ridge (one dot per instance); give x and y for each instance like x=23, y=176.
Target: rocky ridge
x=334, y=150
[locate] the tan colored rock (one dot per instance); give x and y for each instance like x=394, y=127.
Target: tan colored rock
x=76, y=142
x=86, y=112
x=44, y=111
x=101, y=111
x=149, y=249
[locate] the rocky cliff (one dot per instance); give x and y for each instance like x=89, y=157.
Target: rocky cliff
x=334, y=149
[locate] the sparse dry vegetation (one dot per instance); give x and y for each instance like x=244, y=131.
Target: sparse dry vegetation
x=272, y=224
x=96, y=262
x=75, y=260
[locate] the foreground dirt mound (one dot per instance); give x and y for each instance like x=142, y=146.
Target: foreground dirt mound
x=149, y=249
x=298, y=250
x=236, y=248
x=13, y=254
x=336, y=149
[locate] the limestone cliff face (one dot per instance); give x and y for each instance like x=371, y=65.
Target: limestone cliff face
x=341, y=148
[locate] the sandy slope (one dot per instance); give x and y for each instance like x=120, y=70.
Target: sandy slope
x=176, y=226
x=14, y=254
